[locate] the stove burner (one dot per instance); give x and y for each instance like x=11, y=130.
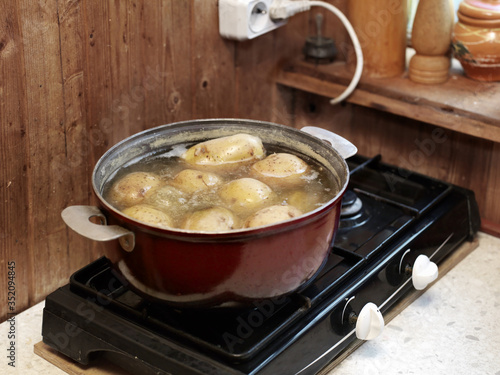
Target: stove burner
x=351, y=204
x=353, y=213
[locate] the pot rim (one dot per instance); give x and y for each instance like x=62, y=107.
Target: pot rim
x=234, y=233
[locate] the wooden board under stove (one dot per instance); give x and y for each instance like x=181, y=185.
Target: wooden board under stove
x=102, y=367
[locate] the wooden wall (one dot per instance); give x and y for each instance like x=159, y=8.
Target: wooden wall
x=76, y=76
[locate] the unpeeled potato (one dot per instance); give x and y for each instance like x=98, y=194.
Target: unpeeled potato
x=149, y=215
x=191, y=181
x=281, y=171
x=271, y=215
x=167, y=198
x=216, y=219
x=225, y=152
x=133, y=188
x=304, y=201
x=245, y=195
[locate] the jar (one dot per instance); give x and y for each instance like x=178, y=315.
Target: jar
x=476, y=39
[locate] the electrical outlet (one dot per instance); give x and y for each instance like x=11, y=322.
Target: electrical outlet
x=246, y=19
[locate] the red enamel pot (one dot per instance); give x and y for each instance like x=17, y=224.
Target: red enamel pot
x=199, y=269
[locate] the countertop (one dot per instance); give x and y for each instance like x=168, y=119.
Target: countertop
x=453, y=328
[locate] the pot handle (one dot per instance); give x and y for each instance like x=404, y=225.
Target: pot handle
x=345, y=148
x=78, y=219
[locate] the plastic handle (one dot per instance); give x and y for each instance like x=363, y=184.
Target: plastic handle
x=345, y=148
x=370, y=323
x=424, y=272
x=78, y=219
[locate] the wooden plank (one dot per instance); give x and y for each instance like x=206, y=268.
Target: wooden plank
x=212, y=64
x=174, y=98
x=145, y=77
x=150, y=59
x=74, y=171
x=288, y=42
x=14, y=160
x=460, y=104
x=141, y=60
x=118, y=39
x=47, y=146
x=490, y=227
x=106, y=116
x=99, y=367
x=252, y=57
x=492, y=211
x=468, y=165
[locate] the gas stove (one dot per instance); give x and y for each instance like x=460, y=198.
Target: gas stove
x=396, y=226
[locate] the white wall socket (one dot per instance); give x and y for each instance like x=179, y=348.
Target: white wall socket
x=245, y=19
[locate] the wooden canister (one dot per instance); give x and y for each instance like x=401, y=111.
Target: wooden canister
x=381, y=29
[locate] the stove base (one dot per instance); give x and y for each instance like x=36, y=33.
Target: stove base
x=106, y=365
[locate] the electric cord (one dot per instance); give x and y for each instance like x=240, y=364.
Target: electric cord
x=282, y=9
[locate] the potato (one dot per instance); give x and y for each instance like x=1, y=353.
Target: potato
x=225, y=152
x=304, y=201
x=281, y=171
x=191, y=181
x=245, y=195
x=271, y=215
x=216, y=219
x=168, y=199
x=149, y=215
x=133, y=188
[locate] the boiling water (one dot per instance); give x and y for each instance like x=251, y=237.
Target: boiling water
x=319, y=186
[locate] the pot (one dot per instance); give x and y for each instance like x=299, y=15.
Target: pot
x=199, y=269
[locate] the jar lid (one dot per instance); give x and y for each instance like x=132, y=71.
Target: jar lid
x=480, y=9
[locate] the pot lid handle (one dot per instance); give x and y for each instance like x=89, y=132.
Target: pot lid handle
x=345, y=148
x=78, y=219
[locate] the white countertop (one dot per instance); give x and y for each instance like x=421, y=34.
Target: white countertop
x=453, y=328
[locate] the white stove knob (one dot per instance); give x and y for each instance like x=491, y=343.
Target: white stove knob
x=424, y=272
x=370, y=322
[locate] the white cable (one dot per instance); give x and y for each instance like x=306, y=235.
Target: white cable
x=286, y=8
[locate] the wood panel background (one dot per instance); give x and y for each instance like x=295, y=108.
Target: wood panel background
x=77, y=76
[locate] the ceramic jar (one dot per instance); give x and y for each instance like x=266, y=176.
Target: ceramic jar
x=476, y=39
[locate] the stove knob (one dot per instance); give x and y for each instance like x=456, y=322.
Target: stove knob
x=370, y=322
x=424, y=272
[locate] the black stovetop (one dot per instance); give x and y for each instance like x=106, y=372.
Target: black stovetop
x=403, y=214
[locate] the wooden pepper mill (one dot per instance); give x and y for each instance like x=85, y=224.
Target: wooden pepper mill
x=431, y=38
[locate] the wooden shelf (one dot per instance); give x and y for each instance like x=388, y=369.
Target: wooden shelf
x=460, y=104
